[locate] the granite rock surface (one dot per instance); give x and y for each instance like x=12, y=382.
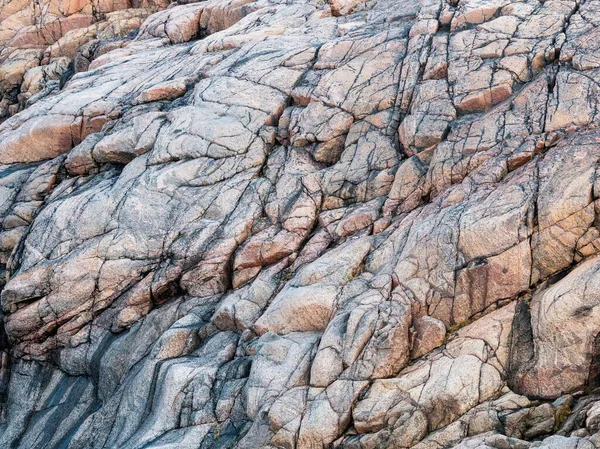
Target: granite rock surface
x=300, y=224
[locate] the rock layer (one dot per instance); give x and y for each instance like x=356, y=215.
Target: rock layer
x=300, y=224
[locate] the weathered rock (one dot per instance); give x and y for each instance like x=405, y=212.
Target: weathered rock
x=568, y=364
x=430, y=333
x=299, y=224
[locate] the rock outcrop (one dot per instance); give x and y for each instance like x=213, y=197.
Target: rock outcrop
x=300, y=224
x=44, y=42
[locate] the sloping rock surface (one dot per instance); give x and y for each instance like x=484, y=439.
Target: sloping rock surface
x=300, y=224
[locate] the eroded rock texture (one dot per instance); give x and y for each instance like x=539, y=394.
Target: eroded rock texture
x=300, y=224
x=44, y=42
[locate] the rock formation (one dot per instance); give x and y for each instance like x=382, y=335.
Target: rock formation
x=300, y=224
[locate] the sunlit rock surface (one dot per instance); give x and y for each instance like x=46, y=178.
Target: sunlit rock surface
x=300, y=224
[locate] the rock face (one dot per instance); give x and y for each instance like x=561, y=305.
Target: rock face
x=44, y=41
x=300, y=224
